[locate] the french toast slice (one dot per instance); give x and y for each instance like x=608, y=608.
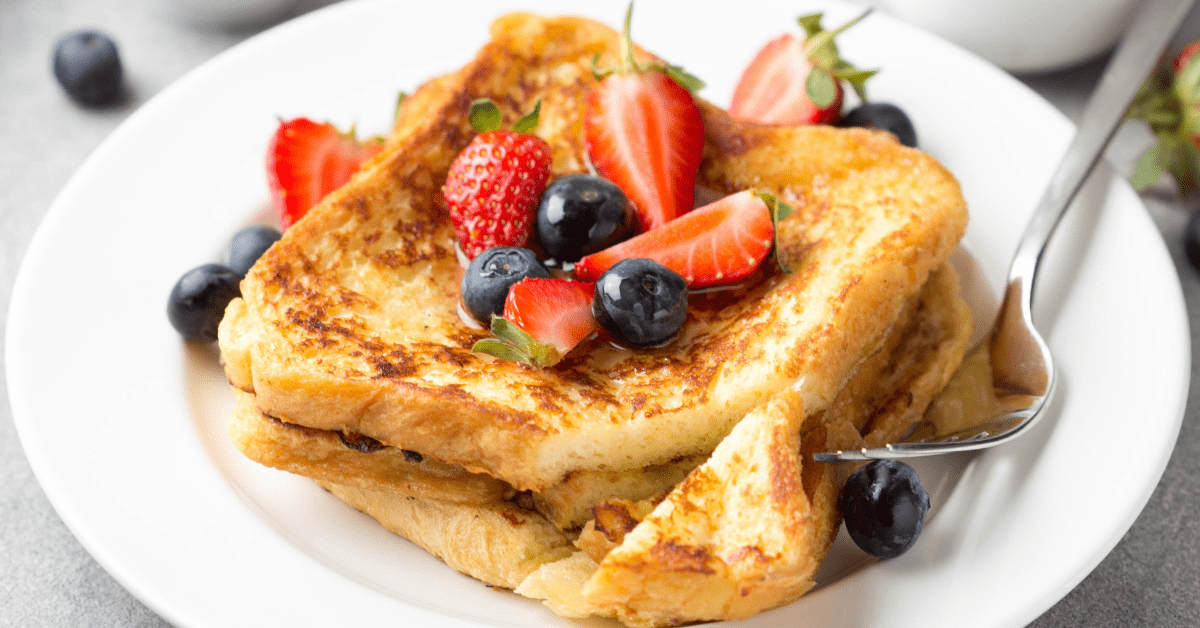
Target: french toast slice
x=885, y=397
x=350, y=322
x=354, y=460
x=933, y=331
x=499, y=543
x=745, y=532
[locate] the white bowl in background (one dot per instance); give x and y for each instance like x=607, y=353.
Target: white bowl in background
x=1021, y=36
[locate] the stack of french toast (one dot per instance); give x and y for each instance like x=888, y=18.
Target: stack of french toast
x=657, y=486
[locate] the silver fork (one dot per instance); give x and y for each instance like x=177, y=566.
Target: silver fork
x=1023, y=372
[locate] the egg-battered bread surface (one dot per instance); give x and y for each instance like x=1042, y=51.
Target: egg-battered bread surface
x=350, y=323
x=657, y=486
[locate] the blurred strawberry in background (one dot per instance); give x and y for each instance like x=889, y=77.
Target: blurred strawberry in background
x=798, y=81
x=1169, y=103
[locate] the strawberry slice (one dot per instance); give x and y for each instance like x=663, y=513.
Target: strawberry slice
x=307, y=160
x=793, y=81
x=644, y=132
x=543, y=320
x=720, y=243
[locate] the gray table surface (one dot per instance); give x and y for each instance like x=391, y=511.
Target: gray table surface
x=1151, y=578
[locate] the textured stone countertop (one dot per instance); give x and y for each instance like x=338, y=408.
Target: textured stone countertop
x=1151, y=578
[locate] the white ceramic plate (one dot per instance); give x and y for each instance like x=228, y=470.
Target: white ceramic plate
x=124, y=424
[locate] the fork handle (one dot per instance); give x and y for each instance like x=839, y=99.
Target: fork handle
x=1139, y=52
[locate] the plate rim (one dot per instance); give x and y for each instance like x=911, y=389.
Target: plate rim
x=24, y=289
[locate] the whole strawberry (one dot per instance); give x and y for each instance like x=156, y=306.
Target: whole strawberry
x=1170, y=103
x=798, y=81
x=494, y=185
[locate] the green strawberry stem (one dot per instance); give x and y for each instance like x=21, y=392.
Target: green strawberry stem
x=828, y=67
x=779, y=211
x=630, y=64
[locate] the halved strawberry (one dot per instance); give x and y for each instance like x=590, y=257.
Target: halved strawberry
x=720, y=243
x=543, y=320
x=645, y=133
x=793, y=81
x=307, y=160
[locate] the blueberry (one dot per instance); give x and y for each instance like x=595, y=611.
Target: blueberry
x=487, y=279
x=248, y=245
x=1191, y=239
x=884, y=506
x=87, y=66
x=641, y=302
x=885, y=117
x=198, y=301
x=581, y=214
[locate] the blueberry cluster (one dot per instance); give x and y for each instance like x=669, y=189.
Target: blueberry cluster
x=198, y=300
x=638, y=301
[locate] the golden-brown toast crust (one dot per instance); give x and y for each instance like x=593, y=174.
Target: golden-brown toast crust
x=500, y=543
x=350, y=322
x=887, y=394
x=933, y=330
x=352, y=460
x=744, y=532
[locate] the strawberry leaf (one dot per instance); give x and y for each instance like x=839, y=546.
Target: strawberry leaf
x=544, y=355
x=811, y=24
x=823, y=53
x=485, y=115
x=1167, y=102
x=499, y=349
x=1158, y=104
x=779, y=211
x=1184, y=164
x=853, y=74
x=529, y=121
x=509, y=332
x=400, y=98
x=820, y=87
x=689, y=81
x=858, y=81
x=1150, y=168
x=516, y=345
x=1187, y=83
